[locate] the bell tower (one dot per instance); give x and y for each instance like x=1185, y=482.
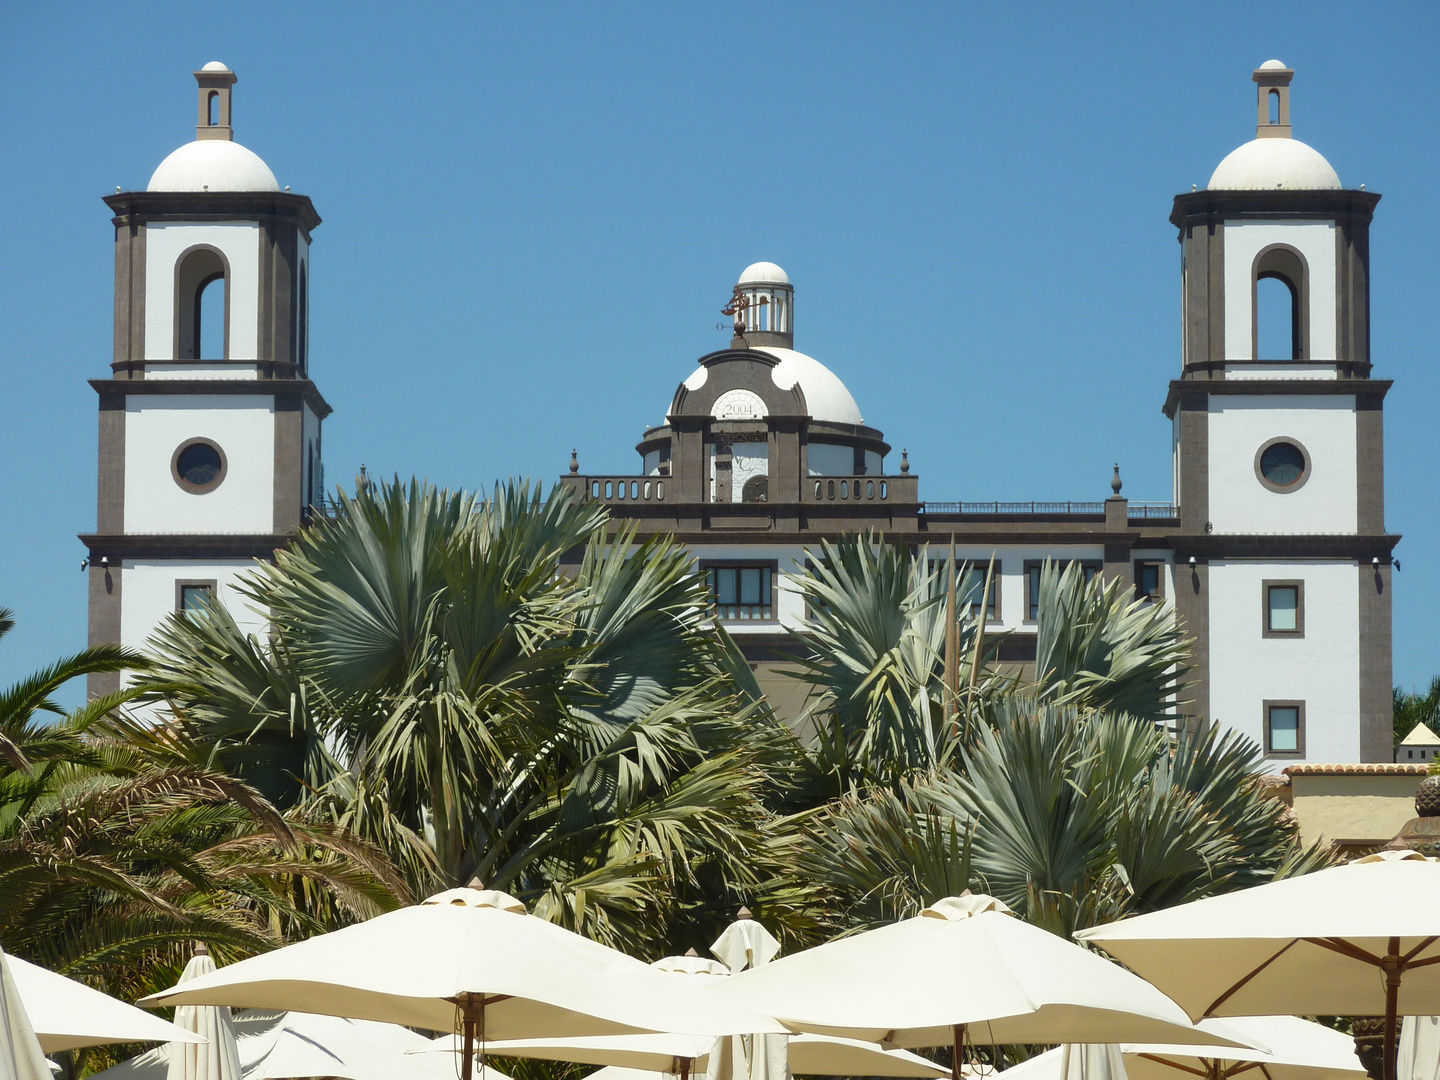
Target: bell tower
x=210, y=426
x=1284, y=576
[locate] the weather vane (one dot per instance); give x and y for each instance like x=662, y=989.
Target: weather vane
x=739, y=304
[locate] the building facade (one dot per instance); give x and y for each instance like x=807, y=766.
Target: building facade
x=209, y=422
x=1272, y=550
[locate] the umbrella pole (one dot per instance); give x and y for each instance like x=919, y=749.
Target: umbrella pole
x=959, y=1046
x=685, y=1068
x=1392, y=965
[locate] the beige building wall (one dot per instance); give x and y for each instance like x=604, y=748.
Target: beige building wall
x=1353, y=806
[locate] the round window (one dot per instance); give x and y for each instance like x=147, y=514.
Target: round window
x=1282, y=465
x=198, y=466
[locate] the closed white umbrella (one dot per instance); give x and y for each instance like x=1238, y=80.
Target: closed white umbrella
x=1296, y=1050
x=744, y=946
x=470, y=959
x=963, y=968
x=1418, y=1055
x=217, y=1057
x=1356, y=940
x=68, y=1015
x=281, y=1046
x=20, y=1055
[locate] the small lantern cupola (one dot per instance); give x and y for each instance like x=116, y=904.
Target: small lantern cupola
x=215, y=81
x=768, y=305
x=1272, y=84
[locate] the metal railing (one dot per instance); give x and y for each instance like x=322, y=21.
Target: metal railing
x=1047, y=508
x=1150, y=511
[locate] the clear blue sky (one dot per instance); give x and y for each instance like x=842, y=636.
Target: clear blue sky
x=533, y=214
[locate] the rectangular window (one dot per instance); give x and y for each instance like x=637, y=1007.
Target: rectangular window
x=190, y=595
x=742, y=593
x=969, y=579
x=1282, y=609
x=1285, y=729
x=1149, y=579
x=1088, y=570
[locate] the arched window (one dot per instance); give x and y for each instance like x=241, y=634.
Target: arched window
x=1281, y=305
x=756, y=489
x=212, y=108
x=202, y=309
x=1273, y=100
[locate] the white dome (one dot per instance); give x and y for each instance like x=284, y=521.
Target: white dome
x=213, y=165
x=1274, y=65
x=763, y=273
x=1266, y=164
x=215, y=65
x=825, y=395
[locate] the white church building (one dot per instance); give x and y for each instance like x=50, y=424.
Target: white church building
x=1273, y=549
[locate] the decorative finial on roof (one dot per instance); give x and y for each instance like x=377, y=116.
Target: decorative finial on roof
x=362, y=482
x=201, y=949
x=1115, y=484
x=743, y=913
x=475, y=883
x=691, y=951
x=574, y=463
x=215, y=81
x=905, y=461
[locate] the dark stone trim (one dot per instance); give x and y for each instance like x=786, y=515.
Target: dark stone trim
x=1376, y=686
x=1017, y=648
x=181, y=584
x=130, y=245
x=1375, y=389
x=1117, y=560
x=104, y=621
x=236, y=387
x=1192, y=605
x=1280, y=203
x=1203, y=370
x=288, y=488
x=110, y=508
x=130, y=370
x=1369, y=464
x=1298, y=584
x=1279, y=546
x=1160, y=593
x=1299, y=706
x=1194, y=451
x=215, y=205
x=186, y=485
x=182, y=545
x=1280, y=489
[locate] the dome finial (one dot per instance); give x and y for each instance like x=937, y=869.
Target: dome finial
x=1115, y=480
x=1272, y=80
x=574, y=463
x=905, y=461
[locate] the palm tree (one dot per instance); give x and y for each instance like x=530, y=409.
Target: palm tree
x=120, y=844
x=1071, y=818
x=438, y=679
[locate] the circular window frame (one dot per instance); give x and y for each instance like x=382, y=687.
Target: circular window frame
x=186, y=485
x=1285, y=489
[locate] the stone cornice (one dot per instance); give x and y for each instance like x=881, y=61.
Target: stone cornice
x=260, y=387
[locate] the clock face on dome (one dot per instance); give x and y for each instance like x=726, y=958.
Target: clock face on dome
x=739, y=405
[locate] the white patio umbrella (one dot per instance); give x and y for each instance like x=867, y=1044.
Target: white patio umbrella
x=216, y=1057
x=963, y=968
x=1296, y=1050
x=1356, y=940
x=470, y=959
x=676, y=1055
x=20, y=1055
x=280, y=1046
x=68, y=1015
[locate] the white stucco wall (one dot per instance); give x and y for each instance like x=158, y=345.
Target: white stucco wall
x=240, y=241
x=828, y=459
x=244, y=428
x=1321, y=669
x=1243, y=241
x=147, y=594
x=209, y=369
x=1323, y=424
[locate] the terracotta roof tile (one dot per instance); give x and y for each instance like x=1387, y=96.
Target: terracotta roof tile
x=1382, y=768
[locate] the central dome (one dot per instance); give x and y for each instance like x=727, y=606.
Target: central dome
x=827, y=399
x=763, y=273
